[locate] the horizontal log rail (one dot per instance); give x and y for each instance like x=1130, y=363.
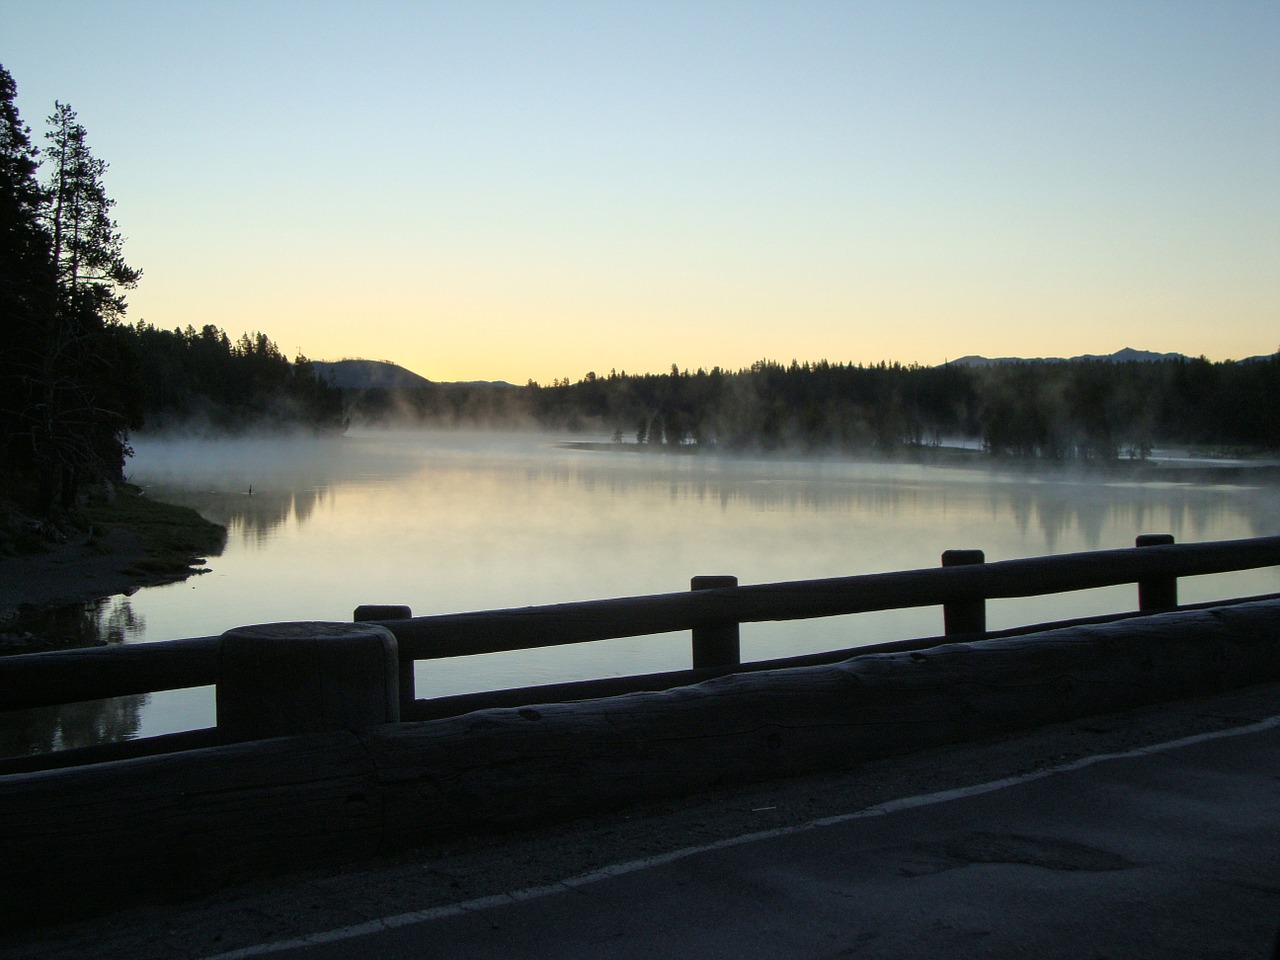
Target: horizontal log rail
x=51, y=678
x=494, y=631
x=98, y=836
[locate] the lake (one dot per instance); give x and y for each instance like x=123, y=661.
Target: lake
x=454, y=522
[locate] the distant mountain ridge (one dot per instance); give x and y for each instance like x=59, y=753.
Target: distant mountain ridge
x=367, y=374
x=1127, y=355
x=381, y=375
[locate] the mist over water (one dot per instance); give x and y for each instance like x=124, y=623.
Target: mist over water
x=450, y=522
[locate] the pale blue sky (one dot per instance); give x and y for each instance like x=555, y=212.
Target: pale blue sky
x=519, y=190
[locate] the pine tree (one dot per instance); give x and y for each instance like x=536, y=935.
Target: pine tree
x=88, y=247
x=66, y=394
x=28, y=294
x=89, y=399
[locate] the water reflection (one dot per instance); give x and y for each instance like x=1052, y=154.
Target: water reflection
x=88, y=724
x=99, y=622
x=251, y=519
x=453, y=522
x=106, y=621
x=290, y=484
x=254, y=487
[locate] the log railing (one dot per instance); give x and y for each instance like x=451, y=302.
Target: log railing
x=712, y=610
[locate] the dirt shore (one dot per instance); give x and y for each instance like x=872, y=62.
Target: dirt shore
x=73, y=573
x=122, y=543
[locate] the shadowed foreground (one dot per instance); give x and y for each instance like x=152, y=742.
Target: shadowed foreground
x=1072, y=851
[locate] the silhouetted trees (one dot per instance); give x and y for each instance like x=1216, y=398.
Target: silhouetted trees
x=74, y=379
x=88, y=248
x=1060, y=410
x=199, y=380
x=28, y=293
x=67, y=403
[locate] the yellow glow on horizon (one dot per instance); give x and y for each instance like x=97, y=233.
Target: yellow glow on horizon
x=510, y=327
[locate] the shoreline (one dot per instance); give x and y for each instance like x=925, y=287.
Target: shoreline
x=130, y=543
x=78, y=572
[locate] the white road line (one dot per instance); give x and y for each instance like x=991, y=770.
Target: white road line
x=647, y=863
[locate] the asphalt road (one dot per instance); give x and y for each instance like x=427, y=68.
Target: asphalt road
x=1154, y=833
x=1174, y=853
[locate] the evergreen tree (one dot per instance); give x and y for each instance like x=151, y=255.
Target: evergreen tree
x=28, y=295
x=88, y=249
x=65, y=399
x=87, y=396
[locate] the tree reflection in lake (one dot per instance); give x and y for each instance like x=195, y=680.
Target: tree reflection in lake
x=92, y=624
x=1068, y=508
x=450, y=522
x=101, y=622
x=71, y=725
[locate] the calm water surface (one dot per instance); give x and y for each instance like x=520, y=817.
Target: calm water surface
x=454, y=522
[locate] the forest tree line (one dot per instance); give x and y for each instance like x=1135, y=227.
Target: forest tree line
x=74, y=378
x=202, y=380
x=1059, y=410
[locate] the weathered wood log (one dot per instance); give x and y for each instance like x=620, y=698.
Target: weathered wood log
x=281, y=679
x=393, y=611
x=89, y=839
x=92, y=673
x=113, y=750
x=95, y=837
x=438, y=708
x=366, y=612
x=568, y=758
x=381, y=611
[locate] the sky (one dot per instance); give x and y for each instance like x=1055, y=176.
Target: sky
x=515, y=191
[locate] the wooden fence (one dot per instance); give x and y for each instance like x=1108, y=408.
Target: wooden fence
x=304, y=769
x=712, y=610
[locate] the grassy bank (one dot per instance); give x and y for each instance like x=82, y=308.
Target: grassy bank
x=55, y=573
x=175, y=539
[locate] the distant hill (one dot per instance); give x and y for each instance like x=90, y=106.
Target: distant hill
x=1127, y=355
x=383, y=375
x=368, y=374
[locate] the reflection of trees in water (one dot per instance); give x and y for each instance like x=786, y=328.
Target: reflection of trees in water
x=1054, y=506
x=289, y=476
x=71, y=725
x=107, y=621
x=306, y=501
x=253, y=518
x=293, y=482
x=120, y=622
x=110, y=620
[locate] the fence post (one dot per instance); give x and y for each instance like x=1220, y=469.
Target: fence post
x=393, y=611
x=715, y=644
x=284, y=679
x=964, y=616
x=1161, y=592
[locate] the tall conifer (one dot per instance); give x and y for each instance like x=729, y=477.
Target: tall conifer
x=28, y=293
